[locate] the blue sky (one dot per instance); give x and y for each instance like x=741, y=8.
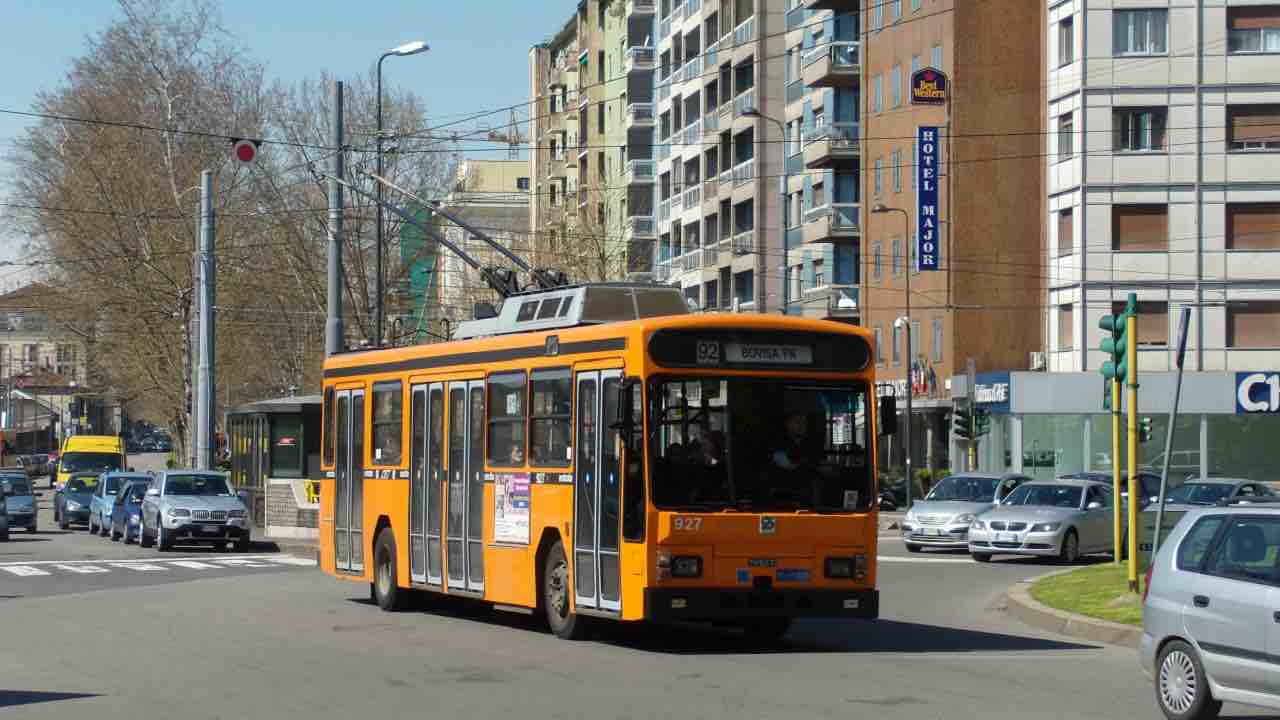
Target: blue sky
x=478, y=59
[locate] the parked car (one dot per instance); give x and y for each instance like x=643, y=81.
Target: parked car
x=943, y=518
x=4, y=514
x=1211, y=613
x=1212, y=491
x=193, y=506
x=1148, y=483
x=164, y=443
x=21, y=498
x=1063, y=518
x=71, y=501
x=104, y=497
x=126, y=510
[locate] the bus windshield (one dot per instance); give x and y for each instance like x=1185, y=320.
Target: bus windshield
x=760, y=445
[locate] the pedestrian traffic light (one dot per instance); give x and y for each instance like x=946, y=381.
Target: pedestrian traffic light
x=981, y=423
x=1144, y=429
x=963, y=423
x=1114, y=342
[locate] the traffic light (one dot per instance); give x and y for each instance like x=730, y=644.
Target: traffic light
x=981, y=423
x=1114, y=342
x=963, y=419
x=1144, y=429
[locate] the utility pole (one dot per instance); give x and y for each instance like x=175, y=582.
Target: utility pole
x=333, y=321
x=205, y=389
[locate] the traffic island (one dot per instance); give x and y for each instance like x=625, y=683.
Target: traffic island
x=1091, y=603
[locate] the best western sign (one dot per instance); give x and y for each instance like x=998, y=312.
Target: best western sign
x=929, y=86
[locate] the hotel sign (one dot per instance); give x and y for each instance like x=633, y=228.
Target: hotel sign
x=929, y=86
x=927, y=197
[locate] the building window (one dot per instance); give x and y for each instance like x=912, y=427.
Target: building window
x=1254, y=29
x=522, y=183
x=1253, y=226
x=506, y=419
x=819, y=273
x=551, y=392
x=877, y=86
x=897, y=170
x=877, y=339
x=896, y=85
x=897, y=344
x=896, y=267
x=937, y=57
x=1253, y=324
x=1066, y=231
x=1066, y=325
x=937, y=339
x=1254, y=127
x=1139, y=228
x=895, y=9
x=388, y=398
x=1139, y=129
x=1066, y=41
x=1153, y=321
x=876, y=271
x=1066, y=137
x=876, y=182
x=915, y=5
x=915, y=64
x=1141, y=32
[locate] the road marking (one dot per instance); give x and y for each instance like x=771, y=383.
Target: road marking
x=290, y=560
x=238, y=562
x=23, y=570
x=106, y=560
x=898, y=559
x=192, y=564
x=82, y=569
x=140, y=566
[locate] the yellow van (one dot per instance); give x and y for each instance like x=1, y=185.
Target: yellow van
x=90, y=453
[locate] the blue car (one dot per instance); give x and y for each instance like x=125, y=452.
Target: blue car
x=104, y=498
x=20, y=500
x=71, y=500
x=126, y=510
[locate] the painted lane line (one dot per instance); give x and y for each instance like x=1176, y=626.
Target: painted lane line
x=82, y=569
x=24, y=570
x=237, y=562
x=192, y=564
x=290, y=560
x=126, y=560
x=140, y=566
x=940, y=561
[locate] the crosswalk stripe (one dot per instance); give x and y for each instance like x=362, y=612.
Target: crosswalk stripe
x=24, y=570
x=140, y=567
x=82, y=569
x=192, y=564
x=290, y=560
x=235, y=562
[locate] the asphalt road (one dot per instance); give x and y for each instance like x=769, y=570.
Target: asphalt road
x=290, y=642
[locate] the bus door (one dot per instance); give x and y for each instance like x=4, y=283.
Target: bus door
x=597, y=484
x=425, y=464
x=464, y=526
x=348, y=521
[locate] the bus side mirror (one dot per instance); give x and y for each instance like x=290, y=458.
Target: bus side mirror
x=888, y=415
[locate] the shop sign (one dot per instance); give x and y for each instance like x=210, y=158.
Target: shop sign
x=1258, y=392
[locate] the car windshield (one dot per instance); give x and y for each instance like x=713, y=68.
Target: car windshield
x=1199, y=493
x=757, y=445
x=136, y=491
x=19, y=485
x=1063, y=496
x=89, y=462
x=965, y=488
x=112, y=484
x=205, y=485
x=81, y=484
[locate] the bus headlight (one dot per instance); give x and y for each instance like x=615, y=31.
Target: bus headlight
x=686, y=566
x=838, y=567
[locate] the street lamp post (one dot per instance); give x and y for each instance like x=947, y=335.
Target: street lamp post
x=783, y=177
x=412, y=48
x=904, y=322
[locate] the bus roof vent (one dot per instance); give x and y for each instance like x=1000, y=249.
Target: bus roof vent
x=575, y=305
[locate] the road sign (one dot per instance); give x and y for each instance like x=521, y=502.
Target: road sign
x=245, y=151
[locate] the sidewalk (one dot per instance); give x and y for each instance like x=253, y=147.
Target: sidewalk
x=303, y=548
x=1022, y=606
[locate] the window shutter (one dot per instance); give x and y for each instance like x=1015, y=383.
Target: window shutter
x=1253, y=226
x=1253, y=18
x=1066, y=232
x=1256, y=123
x=1141, y=228
x=1255, y=324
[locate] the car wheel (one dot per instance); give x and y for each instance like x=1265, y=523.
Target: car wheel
x=115, y=536
x=1182, y=690
x=92, y=530
x=913, y=548
x=982, y=557
x=104, y=526
x=242, y=545
x=163, y=542
x=1070, y=552
x=4, y=535
x=385, y=593
x=61, y=520
x=566, y=624
x=143, y=539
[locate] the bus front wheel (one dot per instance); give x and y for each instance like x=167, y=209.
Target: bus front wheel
x=566, y=624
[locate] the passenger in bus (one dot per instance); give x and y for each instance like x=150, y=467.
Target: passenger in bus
x=796, y=450
x=517, y=454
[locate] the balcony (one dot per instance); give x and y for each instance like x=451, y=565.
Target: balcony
x=692, y=8
x=640, y=115
x=664, y=150
x=851, y=5
x=829, y=144
x=664, y=88
x=691, y=199
x=641, y=59
x=832, y=223
x=711, y=122
x=641, y=227
x=710, y=256
x=744, y=243
x=744, y=101
x=641, y=7
x=691, y=136
x=796, y=90
x=744, y=172
x=837, y=64
x=745, y=32
x=664, y=28
x=664, y=211
x=641, y=172
x=796, y=17
x=842, y=301
x=691, y=72
x=710, y=188
x=710, y=57
x=662, y=272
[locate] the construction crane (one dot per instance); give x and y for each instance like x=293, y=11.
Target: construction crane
x=511, y=136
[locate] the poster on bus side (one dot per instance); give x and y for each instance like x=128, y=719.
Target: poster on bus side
x=511, y=508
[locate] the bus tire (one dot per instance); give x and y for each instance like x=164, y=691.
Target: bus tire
x=566, y=624
x=383, y=589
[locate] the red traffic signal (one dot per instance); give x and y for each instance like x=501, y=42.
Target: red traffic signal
x=245, y=151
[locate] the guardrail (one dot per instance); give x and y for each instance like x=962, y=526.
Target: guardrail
x=745, y=32
x=842, y=133
x=744, y=100
x=744, y=172
x=744, y=243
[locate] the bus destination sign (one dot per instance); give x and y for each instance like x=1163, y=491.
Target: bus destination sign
x=751, y=348
x=756, y=354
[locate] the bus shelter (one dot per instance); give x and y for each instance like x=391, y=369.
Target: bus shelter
x=274, y=450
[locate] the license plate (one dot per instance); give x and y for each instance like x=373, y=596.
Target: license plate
x=1008, y=538
x=934, y=532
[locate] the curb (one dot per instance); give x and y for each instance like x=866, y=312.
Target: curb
x=307, y=550
x=1024, y=607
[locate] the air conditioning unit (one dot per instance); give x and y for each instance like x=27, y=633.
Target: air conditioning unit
x=1038, y=361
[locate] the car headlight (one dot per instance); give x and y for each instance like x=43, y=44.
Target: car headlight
x=179, y=512
x=236, y=514
x=965, y=518
x=73, y=505
x=135, y=519
x=978, y=525
x=1046, y=527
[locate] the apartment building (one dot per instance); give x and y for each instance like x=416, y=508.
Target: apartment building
x=592, y=203
x=1162, y=133
x=981, y=303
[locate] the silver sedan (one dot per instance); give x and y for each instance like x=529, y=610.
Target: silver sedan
x=1063, y=519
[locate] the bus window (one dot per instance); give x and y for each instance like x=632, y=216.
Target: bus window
x=549, y=417
x=506, y=419
x=328, y=426
x=633, y=507
x=388, y=399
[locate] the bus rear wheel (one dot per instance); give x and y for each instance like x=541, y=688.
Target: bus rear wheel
x=566, y=624
x=383, y=588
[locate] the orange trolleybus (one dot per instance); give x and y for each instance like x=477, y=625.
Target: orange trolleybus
x=599, y=452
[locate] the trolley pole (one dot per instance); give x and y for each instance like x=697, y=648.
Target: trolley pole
x=333, y=321
x=205, y=389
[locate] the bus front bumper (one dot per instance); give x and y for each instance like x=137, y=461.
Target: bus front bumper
x=668, y=604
